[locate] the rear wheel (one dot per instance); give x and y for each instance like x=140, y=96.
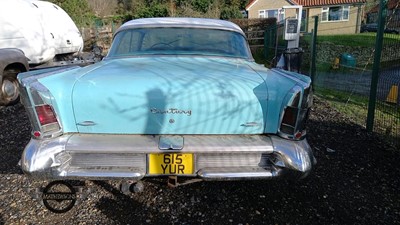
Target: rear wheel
x=9, y=88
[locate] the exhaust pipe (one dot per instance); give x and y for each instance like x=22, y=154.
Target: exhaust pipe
x=128, y=187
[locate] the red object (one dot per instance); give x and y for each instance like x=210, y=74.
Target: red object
x=37, y=133
x=290, y=116
x=45, y=114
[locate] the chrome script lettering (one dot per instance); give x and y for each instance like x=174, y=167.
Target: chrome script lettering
x=171, y=111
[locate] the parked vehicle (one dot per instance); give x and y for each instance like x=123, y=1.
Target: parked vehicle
x=373, y=27
x=174, y=97
x=40, y=31
x=12, y=62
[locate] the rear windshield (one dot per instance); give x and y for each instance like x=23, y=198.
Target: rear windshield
x=179, y=41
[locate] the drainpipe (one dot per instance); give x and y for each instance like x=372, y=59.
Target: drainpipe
x=358, y=25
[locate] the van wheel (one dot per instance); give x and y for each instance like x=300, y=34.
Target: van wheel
x=9, y=94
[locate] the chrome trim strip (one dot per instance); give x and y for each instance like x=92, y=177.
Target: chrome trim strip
x=149, y=143
x=228, y=160
x=107, y=175
x=27, y=78
x=181, y=22
x=86, y=123
x=237, y=173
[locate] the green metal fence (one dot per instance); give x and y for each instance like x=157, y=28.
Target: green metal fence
x=348, y=65
x=275, y=45
x=99, y=34
x=386, y=115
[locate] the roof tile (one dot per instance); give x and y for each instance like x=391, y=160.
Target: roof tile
x=310, y=3
x=390, y=5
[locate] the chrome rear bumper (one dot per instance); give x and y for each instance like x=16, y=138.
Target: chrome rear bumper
x=216, y=157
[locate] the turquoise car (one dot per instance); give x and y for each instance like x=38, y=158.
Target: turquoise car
x=174, y=97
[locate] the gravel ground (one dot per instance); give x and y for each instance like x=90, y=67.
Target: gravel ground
x=356, y=181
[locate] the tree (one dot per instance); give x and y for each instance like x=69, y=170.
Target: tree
x=240, y=4
x=103, y=8
x=83, y=11
x=230, y=12
x=201, y=5
x=78, y=10
x=155, y=10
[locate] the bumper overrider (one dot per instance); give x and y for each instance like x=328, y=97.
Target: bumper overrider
x=133, y=157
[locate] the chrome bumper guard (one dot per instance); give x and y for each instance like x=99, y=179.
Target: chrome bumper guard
x=216, y=157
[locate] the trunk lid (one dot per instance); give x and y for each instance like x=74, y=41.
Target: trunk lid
x=170, y=95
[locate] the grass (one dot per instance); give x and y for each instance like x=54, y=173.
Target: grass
x=325, y=67
x=387, y=116
x=355, y=40
x=354, y=106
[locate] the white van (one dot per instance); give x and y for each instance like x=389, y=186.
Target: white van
x=40, y=29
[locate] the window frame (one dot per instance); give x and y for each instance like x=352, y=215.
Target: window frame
x=138, y=42
x=304, y=20
x=280, y=12
x=345, y=12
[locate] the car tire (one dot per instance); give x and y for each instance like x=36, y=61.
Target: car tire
x=9, y=87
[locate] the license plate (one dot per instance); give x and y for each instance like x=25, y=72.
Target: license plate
x=170, y=164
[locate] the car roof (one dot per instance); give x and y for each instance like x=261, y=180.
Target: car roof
x=181, y=22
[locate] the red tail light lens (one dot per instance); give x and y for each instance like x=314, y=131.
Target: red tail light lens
x=45, y=114
x=290, y=116
x=289, y=120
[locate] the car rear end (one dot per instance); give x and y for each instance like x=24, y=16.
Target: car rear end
x=57, y=152
x=228, y=120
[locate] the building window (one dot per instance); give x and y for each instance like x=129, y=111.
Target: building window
x=279, y=14
x=335, y=13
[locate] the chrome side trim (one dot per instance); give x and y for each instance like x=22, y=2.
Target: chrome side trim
x=86, y=123
x=32, y=76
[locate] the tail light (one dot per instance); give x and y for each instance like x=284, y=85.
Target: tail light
x=295, y=113
x=40, y=110
x=39, y=102
x=45, y=114
x=47, y=119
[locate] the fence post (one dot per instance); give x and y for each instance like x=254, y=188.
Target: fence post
x=314, y=51
x=269, y=38
x=266, y=41
x=376, y=66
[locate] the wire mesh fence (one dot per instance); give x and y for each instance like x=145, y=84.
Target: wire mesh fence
x=99, y=35
x=344, y=75
x=387, y=113
x=344, y=67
